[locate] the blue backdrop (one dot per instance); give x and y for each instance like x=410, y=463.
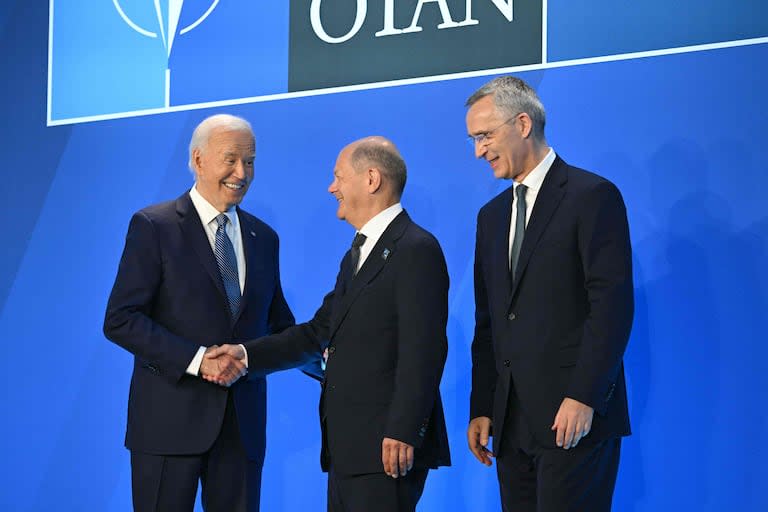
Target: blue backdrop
x=683, y=136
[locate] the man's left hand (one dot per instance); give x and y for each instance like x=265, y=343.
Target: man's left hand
x=573, y=422
x=396, y=456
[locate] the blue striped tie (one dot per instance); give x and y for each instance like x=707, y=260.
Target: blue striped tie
x=225, y=257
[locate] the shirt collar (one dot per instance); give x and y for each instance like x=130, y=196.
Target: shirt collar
x=207, y=211
x=536, y=177
x=374, y=228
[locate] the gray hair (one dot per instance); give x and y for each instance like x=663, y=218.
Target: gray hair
x=513, y=96
x=203, y=132
x=381, y=153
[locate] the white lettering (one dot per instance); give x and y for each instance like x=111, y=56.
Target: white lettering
x=468, y=19
x=317, y=24
x=444, y=12
x=504, y=8
x=389, y=20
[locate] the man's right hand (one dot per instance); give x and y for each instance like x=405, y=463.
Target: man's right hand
x=223, y=365
x=477, y=435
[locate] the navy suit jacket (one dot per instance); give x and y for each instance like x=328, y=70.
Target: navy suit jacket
x=561, y=329
x=385, y=333
x=167, y=301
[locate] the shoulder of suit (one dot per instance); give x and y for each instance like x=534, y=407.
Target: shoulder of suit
x=159, y=211
x=499, y=201
x=417, y=238
x=256, y=223
x=585, y=180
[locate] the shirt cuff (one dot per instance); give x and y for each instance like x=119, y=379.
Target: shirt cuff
x=194, y=366
x=245, y=359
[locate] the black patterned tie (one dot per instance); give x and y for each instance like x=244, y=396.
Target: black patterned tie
x=354, y=253
x=225, y=257
x=517, y=242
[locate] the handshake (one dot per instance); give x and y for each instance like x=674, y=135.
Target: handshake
x=224, y=364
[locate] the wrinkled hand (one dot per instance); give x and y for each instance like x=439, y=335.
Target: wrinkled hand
x=396, y=456
x=223, y=365
x=477, y=436
x=573, y=422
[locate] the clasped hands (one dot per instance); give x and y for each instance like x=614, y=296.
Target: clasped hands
x=223, y=365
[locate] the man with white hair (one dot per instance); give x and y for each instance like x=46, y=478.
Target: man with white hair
x=195, y=272
x=553, y=312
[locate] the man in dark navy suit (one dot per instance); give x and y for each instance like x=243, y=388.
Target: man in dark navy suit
x=196, y=272
x=384, y=329
x=554, y=307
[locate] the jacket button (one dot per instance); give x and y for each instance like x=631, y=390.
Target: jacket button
x=507, y=363
x=331, y=350
x=512, y=316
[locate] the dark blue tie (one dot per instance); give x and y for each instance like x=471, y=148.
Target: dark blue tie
x=354, y=259
x=517, y=242
x=225, y=257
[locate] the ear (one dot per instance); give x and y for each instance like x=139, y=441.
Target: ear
x=526, y=125
x=374, y=180
x=197, y=158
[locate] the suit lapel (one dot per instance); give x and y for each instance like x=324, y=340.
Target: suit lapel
x=250, y=251
x=374, y=263
x=193, y=231
x=500, y=247
x=547, y=201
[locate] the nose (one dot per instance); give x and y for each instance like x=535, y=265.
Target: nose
x=240, y=170
x=480, y=149
x=333, y=188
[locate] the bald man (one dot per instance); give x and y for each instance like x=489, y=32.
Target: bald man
x=384, y=329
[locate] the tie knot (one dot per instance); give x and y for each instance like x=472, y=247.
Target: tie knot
x=358, y=241
x=222, y=219
x=520, y=191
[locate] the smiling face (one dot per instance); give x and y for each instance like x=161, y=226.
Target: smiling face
x=505, y=145
x=351, y=190
x=224, y=167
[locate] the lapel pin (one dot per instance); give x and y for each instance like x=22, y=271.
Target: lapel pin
x=385, y=254
x=253, y=234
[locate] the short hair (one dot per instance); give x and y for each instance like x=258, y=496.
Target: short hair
x=203, y=132
x=381, y=153
x=512, y=96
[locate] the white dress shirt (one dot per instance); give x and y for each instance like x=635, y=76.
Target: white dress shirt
x=533, y=181
x=374, y=228
x=208, y=213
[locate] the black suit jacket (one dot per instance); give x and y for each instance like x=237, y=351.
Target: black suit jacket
x=561, y=329
x=167, y=301
x=385, y=333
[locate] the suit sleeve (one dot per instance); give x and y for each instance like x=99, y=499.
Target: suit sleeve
x=128, y=320
x=297, y=346
x=606, y=256
x=421, y=296
x=280, y=316
x=483, y=361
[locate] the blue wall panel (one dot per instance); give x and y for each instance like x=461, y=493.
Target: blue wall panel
x=683, y=136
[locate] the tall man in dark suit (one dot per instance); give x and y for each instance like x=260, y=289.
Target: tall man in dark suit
x=554, y=306
x=384, y=329
x=195, y=272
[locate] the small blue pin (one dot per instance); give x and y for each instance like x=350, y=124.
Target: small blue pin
x=385, y=254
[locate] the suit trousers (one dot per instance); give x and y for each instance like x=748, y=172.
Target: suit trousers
x=533, y=478
x=230, y=482
x=375, y=492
